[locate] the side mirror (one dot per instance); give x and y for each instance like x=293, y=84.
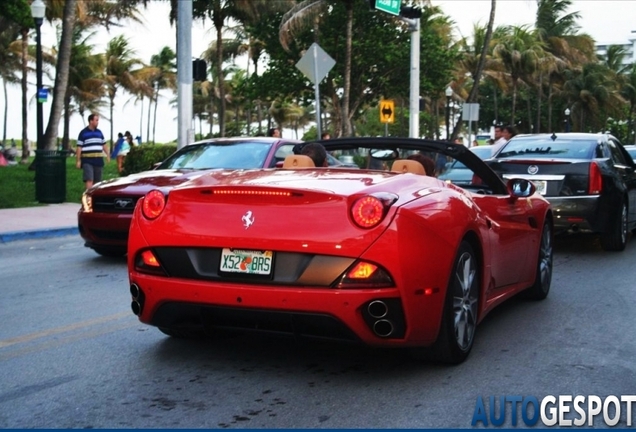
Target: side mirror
x=520, y=188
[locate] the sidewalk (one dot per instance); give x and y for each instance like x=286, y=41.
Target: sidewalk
x=52, y=220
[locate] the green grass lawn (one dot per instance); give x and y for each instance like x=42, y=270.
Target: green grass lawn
x=17, y=184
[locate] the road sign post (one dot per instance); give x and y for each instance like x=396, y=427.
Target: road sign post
x=315, y=64
x=387, y=113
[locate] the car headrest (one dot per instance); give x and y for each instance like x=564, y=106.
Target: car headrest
x=408, y=166
x=298, y=161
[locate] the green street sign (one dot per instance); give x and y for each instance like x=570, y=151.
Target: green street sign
x=389, y=6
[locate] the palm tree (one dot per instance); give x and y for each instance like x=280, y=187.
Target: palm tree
x=558, y=30
x=589, y=92
x=519, y=53
x=166, y=78
x=120, y=62
x=628, y=92
x=62, y=73
x=86, y=81
x=10, y=64
x=72, y=12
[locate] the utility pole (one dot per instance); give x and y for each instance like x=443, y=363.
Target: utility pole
x=411, y=16
x=184, y=74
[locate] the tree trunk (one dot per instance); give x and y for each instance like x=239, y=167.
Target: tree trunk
x=219, y=78
x=26, y=151
x=112, y=104
x=550, y=128
x=346, y=120
x=61, y=75
x=514, y=101
x=539, y=100
x=6, y=112
x=141, y=118
x=154, y=122
x=67, y=122
x=480, y=66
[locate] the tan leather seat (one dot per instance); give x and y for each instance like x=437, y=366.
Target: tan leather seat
x=298, y=161
x=408, y=166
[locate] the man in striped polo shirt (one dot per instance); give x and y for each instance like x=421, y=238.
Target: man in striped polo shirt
x=91, y=147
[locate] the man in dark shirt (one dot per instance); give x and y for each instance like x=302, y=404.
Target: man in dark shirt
x=91, y=147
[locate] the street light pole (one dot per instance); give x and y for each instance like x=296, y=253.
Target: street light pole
x=38, y=8
x=449, y=94
x=567, y=119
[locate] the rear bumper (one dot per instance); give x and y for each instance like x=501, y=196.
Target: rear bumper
x=344, y=315
x=577, y=214
x=104, y=229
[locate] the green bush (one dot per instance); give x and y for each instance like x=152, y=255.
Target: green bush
x=144, y=157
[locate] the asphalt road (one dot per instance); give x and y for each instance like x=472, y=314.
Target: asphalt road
x=72, y=355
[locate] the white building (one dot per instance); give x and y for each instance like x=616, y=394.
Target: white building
x=630, y=49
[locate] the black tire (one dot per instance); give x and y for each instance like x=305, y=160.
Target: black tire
x=615, y=239
x=459, y=319
x=182, y=333
x=543, y=278
x=110, y=252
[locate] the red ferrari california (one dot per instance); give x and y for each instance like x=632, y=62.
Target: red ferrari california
x=389, y=256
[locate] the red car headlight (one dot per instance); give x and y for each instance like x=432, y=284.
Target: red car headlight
x=153, y=205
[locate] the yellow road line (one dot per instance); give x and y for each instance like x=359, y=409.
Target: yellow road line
x=65, y=340
x=58, y=330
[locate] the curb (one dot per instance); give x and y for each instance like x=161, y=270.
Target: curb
x=37, y=234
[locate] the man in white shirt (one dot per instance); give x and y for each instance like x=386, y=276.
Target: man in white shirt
x=500, y=140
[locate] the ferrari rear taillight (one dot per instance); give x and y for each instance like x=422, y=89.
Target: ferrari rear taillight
x=596, y=179
x=146, y=262
x=367, y=212
x=365, y=274
x=149, y=259
x=153, y=204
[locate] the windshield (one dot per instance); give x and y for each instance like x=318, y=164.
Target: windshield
x=546, y=148
x=231, y=155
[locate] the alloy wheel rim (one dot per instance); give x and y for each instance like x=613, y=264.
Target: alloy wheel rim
x=624, y=224
x=465, y=301
x=545, y=263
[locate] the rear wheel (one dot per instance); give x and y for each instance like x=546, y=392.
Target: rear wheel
x=616, y=238
x=543, y=279
x=459, y=320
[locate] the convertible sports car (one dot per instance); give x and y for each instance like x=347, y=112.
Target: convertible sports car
x=390, y=258
x=589, y=180
x=104, y=218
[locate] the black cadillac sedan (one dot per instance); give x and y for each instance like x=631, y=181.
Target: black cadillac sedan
x=589, y=179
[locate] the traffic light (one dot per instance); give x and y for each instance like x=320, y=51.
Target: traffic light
x=199, y=70
x=410, y=12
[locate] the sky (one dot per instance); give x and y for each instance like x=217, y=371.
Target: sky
x=607, y=21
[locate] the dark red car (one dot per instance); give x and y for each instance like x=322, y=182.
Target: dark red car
x=390, y=258
x=107, y=208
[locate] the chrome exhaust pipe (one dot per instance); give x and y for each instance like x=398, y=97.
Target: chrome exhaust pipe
x=136, y=307
x=383, y=328
x=377, y=309
x=134, y=290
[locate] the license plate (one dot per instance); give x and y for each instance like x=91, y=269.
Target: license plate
x=541, y=186
x=246, y=261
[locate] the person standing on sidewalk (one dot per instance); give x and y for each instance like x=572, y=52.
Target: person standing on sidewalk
x=91, y=147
